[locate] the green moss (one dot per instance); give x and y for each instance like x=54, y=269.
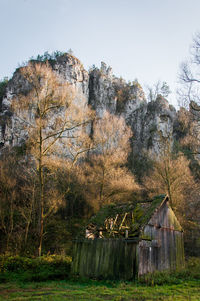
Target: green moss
x=173, y=221
x=179, y=251
x=156, y=202
x=110, y=211
x=139, y=213
x=145, y=236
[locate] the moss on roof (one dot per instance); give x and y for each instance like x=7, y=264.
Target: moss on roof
x=141, y=211
x=155, y=204
x=110, y=211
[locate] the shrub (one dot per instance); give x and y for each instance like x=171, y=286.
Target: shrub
x=34, y=269
x=48, y=56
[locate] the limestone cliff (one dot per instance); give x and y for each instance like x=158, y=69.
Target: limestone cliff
x=151, y=122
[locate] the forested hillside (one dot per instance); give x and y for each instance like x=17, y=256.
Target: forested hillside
x=73, y=141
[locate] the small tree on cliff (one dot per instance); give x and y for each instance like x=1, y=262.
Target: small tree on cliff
x=159, y=88
x=51, y=117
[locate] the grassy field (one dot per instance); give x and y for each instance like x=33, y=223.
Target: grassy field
x=98, y=290
x=49, y=278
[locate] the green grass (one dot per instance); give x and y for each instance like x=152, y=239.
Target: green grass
x=98, y=290
x=48, y=278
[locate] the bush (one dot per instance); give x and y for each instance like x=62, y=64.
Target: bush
x=48, y=56
x=34, y=269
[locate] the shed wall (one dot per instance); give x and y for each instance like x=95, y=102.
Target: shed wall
x=166, y=249
x=105, y=258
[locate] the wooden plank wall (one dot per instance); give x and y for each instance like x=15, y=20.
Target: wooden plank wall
x=165, y=253
x=105, y=258
x=166, y=248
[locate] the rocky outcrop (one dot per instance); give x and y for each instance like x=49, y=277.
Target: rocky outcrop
x=153, y=125
x=107, y=92
x=151, y=122
x=68, y=68
x=102, y=94
x=71, y=70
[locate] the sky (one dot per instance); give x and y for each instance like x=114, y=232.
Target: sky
x=143, y=39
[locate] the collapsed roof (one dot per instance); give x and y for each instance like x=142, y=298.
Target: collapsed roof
x=113, y=220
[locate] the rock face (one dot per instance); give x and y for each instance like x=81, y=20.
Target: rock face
x=151, y=122
x=107, y=92
x=153, y=125
x=102, y=94
x=71, y=70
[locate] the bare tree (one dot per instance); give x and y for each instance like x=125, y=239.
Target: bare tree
x=171, y=175
x=159, y=88
x=7, y=194
x=106, y=177
x=17, y=199
x=53, y=119
x=188, y=133
x=189, y=96
x=189, y=91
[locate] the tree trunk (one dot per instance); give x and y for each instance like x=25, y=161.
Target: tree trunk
x=10, y=226
x=41, y=197
x=102, y=187
x=29, y=218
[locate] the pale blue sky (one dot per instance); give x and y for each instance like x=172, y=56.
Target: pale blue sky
x=143, y=39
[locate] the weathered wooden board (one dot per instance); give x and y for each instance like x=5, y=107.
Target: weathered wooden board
x=105, y=258
x=165, y=253
x=166, y=249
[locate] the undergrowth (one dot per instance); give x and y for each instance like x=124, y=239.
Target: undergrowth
x=16, y=268
x=55, y=267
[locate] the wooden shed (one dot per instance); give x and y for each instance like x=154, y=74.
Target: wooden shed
x=125, y=241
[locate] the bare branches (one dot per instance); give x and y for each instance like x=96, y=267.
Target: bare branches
x=171, y=176
x=51, y=114
x=159, y=88
x=106, y=178
x=190, y=75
